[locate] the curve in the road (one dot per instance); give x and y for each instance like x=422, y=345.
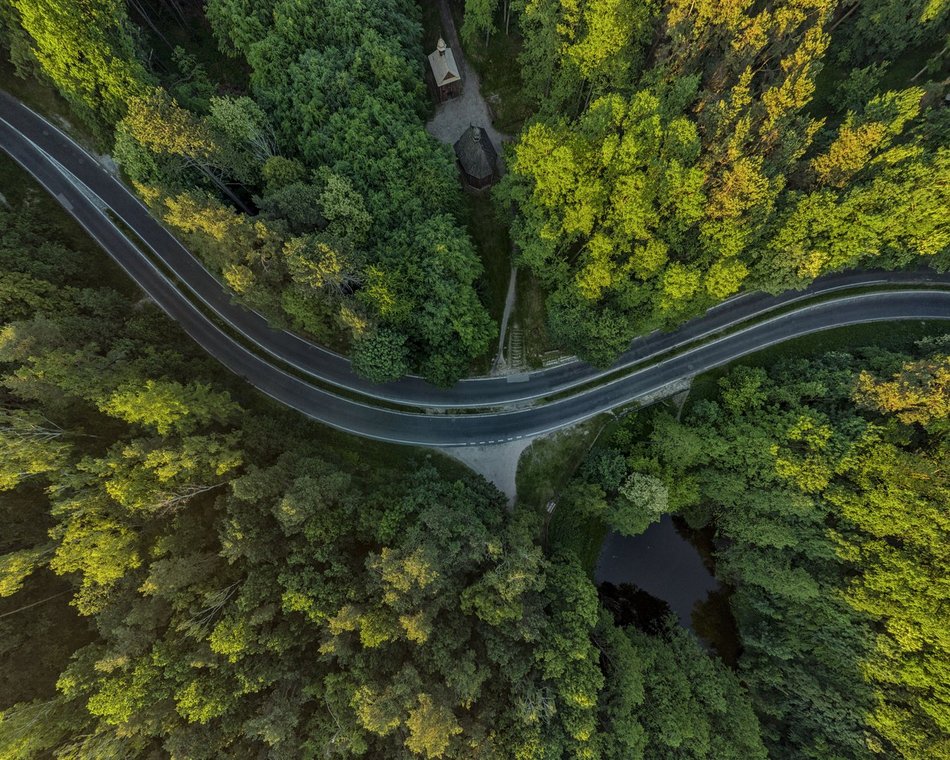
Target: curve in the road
x=36, y=142
x=82, y=187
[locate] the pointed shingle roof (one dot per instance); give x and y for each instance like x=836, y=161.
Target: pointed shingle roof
x=442, y=61
x=475, y=153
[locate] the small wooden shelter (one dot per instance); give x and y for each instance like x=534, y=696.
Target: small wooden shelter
x=446, y=78
x=477, y=157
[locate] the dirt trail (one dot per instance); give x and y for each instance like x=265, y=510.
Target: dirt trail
x=498, y=365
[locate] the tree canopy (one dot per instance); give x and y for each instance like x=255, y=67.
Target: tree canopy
x=825, y=483
x=257, y=585
x=316, y=194
x=679, y=156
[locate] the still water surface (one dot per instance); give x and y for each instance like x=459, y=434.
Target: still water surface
x=665, y=563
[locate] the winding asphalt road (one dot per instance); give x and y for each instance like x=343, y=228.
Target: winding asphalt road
x=86, y=190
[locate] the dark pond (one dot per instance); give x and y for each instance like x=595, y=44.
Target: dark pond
x=643, y=578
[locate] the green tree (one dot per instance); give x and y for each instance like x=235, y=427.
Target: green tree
x=643, y=499
x=168, y=406
x=30, y=445
x=479, y=21
x=16, y=567
x=919, y=393
x=86, y=48
x=381, y=356
x=826, y=510
x=431, y=728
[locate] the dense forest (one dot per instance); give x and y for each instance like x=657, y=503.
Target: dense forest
x=309, y=186
x=825, y=481
x=256, y=587
x=188, y=570
x=682, y=152
x=248, y=584
x=678, y=153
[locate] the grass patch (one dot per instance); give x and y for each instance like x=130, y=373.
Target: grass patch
x=490, y=235
x=43, y=98
x=571, y=530
x=549, y=462
x=38, y=95
x=500, y=73
x=354, y=453
x=530, y=315
x=890, y=336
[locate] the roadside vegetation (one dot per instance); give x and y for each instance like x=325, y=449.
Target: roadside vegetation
x=576, y=526
x=490, y=235
x=667, y=157
x=190, y=571
x=548, y=463
x=280, y=175
x=680, y=153
x=248, y=583
x=213, y=544
x=821, y=476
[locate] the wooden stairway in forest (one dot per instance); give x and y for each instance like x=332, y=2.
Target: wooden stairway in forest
x=516, y=352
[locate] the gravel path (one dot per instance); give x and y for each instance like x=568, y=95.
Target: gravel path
x=451, y=119
x=455, y=116
x=498, y=464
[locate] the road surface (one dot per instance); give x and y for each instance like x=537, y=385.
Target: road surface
x=84, y=188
